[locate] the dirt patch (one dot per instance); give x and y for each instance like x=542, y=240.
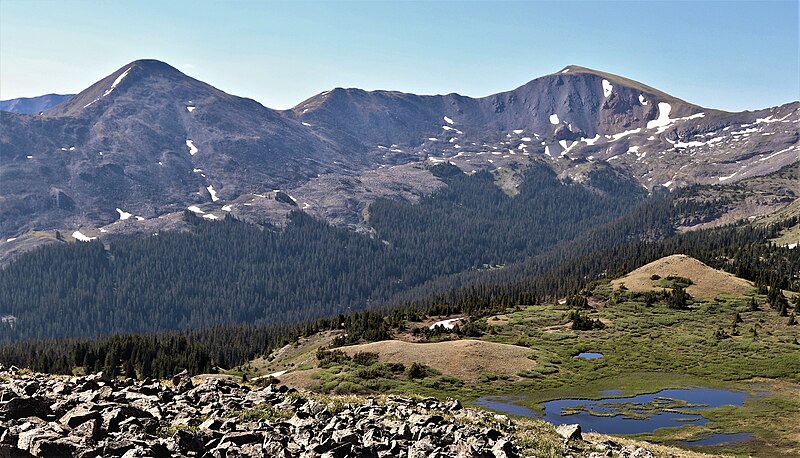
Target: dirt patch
x=708, y=282
x=300, y=379
x=463, y=359
x=499, y=320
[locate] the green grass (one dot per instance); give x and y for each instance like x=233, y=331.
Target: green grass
x=261, y=412
x=646, y=349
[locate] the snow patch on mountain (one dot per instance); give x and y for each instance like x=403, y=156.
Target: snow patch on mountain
x=78, y=235
x=192, y=149
x=591, y=141
x=616, y=137
x=117, y=81
x=123, y=215
x=566, y=147
x=607, y=88
x=554, y=119
x=213, y=193
x=663, y=116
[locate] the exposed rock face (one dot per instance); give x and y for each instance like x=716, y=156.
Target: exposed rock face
x=93, y=416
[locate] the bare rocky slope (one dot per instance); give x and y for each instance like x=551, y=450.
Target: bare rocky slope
x=95, y=416
x=140, y=146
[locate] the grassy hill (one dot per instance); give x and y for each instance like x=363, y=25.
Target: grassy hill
x=464, y=359
x=706, y=282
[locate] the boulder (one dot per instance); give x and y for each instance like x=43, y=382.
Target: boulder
x=504, y=449
x=10, y=451
x=241, y=438
x=78, y=416
x=22, y=407
x=570, y=432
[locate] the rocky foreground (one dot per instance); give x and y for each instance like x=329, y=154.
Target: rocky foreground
x=95, y=416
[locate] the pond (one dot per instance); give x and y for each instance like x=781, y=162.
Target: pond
x=718, y=439
x=628, y=415
x=589, y=355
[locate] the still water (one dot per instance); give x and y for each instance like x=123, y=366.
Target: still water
x=629, y=415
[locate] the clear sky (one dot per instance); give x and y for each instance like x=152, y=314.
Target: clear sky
x=719, y=54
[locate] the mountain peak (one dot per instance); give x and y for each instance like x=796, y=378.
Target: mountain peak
x=152, y=66
x=143, y=71
x=577, y=69
x=611, y=80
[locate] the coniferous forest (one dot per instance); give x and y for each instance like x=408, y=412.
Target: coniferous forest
x=233, y=272
x=228, y=291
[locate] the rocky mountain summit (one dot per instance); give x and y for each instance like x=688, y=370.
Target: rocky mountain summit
x=96, y=416
x=148, y=142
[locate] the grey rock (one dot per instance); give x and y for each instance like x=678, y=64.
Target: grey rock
x=241, y=438
x=630, y=451
x=131, y=423
x=570, y=431
x=504, y=449
x=79, y=415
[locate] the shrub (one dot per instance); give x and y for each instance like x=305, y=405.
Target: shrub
x=330, y=357
x=417, y=371
x=581, y=322
x=365, y=358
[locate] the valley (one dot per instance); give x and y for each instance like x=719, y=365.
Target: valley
x=527, y=356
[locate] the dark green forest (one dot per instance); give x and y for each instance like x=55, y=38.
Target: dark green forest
x=232, y=272
x=738, y=249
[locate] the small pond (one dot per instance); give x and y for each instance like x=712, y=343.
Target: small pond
x=718, y=439
x=589, y=355
x=629, y=415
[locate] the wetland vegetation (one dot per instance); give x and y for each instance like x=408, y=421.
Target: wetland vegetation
x=719, y=373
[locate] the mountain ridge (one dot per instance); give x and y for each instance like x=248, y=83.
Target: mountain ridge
x=33, y=105
x=149, y=141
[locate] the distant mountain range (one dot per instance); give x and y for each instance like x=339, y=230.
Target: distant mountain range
x=33, y=105
x=130, y=153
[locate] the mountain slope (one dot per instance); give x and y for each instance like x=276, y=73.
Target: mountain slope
x=571, y=119
x=33, y=105
x=132, y=151
x=149, y=141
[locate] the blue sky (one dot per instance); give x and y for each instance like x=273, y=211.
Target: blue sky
x=719, y=54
